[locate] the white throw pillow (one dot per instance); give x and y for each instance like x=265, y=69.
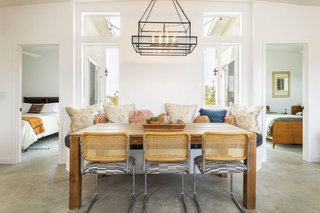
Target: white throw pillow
x=119, y=114
x=25, y=107
x=82, y=118
x=181, y=112
x=50, y=108
x=246, y=117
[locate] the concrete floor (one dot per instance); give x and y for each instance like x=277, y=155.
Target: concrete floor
x=38, y=184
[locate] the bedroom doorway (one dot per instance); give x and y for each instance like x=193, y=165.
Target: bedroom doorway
x=39, y=129
x=284, y=98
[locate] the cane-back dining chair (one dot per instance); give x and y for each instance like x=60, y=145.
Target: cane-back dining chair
x=107, y=154
x=223, y=153
x=166, y=153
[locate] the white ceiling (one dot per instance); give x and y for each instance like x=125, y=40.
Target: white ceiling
x=5, y=3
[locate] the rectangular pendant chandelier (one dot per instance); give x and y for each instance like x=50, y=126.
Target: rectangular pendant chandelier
x=163, y=38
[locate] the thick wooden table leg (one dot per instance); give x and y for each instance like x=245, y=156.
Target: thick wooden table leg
x=249, y=180
x=75, y=177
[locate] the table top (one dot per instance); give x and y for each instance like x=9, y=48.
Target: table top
x=194, y=129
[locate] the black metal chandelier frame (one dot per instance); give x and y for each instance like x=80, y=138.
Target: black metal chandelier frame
x=163, y=38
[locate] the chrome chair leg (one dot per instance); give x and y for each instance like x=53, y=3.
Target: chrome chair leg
x=194, y=189
x=133, y=198
x=182, y=194
x=233, y=196
x=95, y=197
x=145, y=194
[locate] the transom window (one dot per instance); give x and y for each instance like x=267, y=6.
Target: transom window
x=220, y=25
x=100, y=24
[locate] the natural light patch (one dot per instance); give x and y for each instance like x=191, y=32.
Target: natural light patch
x=100, y=24
x=221, y=75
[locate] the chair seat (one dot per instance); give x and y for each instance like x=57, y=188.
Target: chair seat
x=155, y=167
x=220, y=167
x=109, y=168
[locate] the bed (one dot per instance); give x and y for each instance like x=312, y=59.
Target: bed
x=284, y=129
x=49, y=116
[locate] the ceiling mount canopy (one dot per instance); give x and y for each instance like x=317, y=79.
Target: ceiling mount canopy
x=164, y=38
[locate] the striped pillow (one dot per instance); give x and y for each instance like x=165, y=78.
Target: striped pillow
x=35, y=108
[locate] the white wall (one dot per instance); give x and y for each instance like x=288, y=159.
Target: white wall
x=150, y=82
x=284, y=58
x=35, y=24
x=40, y=75
x=282, y=23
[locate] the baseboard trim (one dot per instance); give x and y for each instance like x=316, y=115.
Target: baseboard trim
x=315, y=159
x=7, y=161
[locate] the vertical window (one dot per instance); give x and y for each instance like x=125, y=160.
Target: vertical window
x=101, y=74
x=221, y=75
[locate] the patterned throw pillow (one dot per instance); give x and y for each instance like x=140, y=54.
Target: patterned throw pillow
x=102, y=118
x=82, y=118
x=140, y=116
x=181, y=112
x=230, y=119
x=215, y=115
x=202, y=119
x=35, y=108
x=119, y=114
x=161, y=117
x=246, y=117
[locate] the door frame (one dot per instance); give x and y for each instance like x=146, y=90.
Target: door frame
x=18, y=97
x=305, y=95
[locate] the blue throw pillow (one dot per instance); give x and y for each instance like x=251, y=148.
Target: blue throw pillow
x=215, y=116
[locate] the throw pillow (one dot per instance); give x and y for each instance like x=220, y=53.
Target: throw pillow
x=202, y=119
x=50, y=108
x=246, y=117
x=119, y=114
x=140, y=116
x=230, y=119
x=81, y=118
x=181, y=112
x=101, y=118
x=215, y=115
x=161, y=117
x=35, y=108
x=25, y=107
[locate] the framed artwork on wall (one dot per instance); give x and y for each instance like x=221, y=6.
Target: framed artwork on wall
x=281, y=84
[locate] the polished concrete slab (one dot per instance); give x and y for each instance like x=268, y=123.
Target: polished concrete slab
x=285, y=184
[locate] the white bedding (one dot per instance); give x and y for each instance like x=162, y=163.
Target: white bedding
x=50, y=123
x=271, y=117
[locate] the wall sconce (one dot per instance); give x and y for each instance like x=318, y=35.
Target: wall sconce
x=215, y=71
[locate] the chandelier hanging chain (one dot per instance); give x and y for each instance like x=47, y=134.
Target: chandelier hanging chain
x=152, y=3
x=175, y=6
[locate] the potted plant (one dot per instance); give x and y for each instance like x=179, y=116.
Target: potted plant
x=153, y=120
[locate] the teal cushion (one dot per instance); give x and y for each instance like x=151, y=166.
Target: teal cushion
x=215, y=115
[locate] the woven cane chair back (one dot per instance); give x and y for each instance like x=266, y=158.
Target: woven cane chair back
x=225, y=146
x=166, y=146
x=105, y=147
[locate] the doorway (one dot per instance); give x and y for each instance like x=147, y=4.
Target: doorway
x=39, y=98
x=284, y=98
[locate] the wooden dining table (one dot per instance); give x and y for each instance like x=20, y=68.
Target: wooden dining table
x=136, y=132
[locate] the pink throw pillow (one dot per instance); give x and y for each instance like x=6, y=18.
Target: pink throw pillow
x=139, y=116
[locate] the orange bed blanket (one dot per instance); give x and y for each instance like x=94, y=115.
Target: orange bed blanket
x=36, y=124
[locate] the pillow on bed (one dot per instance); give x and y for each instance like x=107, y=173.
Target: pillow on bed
x=246, y=117
x=35, y=108
x=50, y=108
x=82, y=118
x=25, y=107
